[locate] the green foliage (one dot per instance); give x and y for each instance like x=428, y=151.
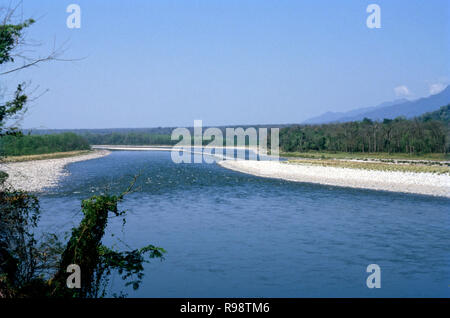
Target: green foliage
x=12, y=109
x=19, y=214
x=41, y=144
x=10, y=35
x=128, y=264
x=442, y=114
x=420, y=135
x=19, y=211
x=96, y=260
x=3, y=177
x=29, y=269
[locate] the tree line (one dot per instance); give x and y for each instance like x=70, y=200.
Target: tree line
x=17, y=145
x=428, y=133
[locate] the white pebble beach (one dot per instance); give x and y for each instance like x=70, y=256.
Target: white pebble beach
x=36, y=175
x=408, y=182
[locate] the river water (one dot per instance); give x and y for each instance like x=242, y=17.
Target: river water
x=229, y=234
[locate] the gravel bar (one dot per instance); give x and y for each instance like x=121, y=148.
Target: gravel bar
x=395, y=181
x=36, y=175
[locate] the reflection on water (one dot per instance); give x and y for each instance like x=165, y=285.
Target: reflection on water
x=230, y=234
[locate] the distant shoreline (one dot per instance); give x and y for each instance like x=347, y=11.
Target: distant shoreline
x=394, y=181
x=160, y=147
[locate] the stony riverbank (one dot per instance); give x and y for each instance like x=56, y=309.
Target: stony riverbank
x=37, y=175
x=408, y=182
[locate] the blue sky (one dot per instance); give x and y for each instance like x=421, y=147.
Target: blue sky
x=166, y=63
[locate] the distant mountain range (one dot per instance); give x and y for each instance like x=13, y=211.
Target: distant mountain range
x=400, y=107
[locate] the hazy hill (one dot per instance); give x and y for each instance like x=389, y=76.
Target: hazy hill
x=402, y=107
x=330, y=117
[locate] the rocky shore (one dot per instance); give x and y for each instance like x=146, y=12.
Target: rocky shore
x=408, y=182
x=36, y=175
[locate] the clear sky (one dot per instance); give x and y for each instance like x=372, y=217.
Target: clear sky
x=165, y=63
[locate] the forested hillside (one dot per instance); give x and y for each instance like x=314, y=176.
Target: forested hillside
x=399, y=108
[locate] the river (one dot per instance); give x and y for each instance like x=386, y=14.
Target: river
x=229, y=234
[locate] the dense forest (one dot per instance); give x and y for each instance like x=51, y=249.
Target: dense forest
x=442, y=114
x=428, y=133
x=36, y=144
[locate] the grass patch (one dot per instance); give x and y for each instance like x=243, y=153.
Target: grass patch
x=54, y=155
x=380, y=166
x=362, y=156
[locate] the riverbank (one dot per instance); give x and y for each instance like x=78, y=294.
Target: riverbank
x=396, y=181
x=53, y=155
x=442, y=157
x=36, y=175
